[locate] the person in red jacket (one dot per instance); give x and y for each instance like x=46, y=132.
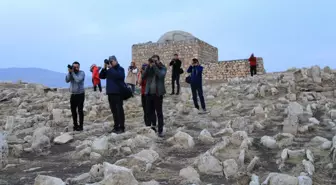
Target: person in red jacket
x=253, y=64
x=95, y=77
x=142, y=84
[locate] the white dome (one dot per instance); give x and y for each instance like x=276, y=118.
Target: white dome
x=175, y=36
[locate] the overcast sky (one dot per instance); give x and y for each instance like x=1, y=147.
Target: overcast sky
x=52, y=33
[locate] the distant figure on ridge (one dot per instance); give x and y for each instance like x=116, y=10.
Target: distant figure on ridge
x=176, y=72
x=131, y=78
x=195, y=81
x=253, y=64
x=76, y=78
x=115, y=75
x=95, y=77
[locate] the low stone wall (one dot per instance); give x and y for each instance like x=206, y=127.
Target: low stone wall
x=224, y=70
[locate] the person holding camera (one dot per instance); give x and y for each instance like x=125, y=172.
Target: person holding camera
x=131, y=78
x=114, y=75
x=196, y=71
x=176, y=72
x=95, y=77
x=155, y=75
x=76, y=78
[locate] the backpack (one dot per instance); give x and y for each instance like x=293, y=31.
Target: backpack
x=126, y=92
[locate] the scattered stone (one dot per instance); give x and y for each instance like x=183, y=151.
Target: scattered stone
x=64, y=138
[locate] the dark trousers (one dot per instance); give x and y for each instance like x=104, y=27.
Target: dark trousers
x=176, y=78
x=148, y=122
x=198, y=89
x=77, y=103
x=132, y=87
x=95, y=87
x=117, y=109
x=154, y=104
x=253, y=70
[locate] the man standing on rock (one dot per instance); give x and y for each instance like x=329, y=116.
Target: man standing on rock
x=115, y=76
x=196, y=71
x=76, y=78
x=253, y=64
x=155, y=75
x=176, y=72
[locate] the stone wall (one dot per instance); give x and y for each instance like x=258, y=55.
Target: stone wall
x=195, y=48
x=224, y=70
x=187, y=50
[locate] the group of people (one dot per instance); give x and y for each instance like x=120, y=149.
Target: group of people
x=151, y=80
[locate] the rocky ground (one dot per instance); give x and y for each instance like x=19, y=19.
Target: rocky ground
x=272, y=129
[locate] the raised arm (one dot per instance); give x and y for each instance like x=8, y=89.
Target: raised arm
x=79, y=77
x=68, y=78
x=171, y=63
x=102, y=74
x=160, y=73
x=116, y=73
x=189, y=69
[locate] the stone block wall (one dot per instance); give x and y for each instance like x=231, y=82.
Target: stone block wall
x=186, y=49
x=195, y=48
x=224, y=70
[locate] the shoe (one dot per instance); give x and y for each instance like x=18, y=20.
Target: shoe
x=153, y=128
x=114, y=131
x=80, y=128
x=121, y=131
x=161, y=134
x=172, y=93
x=75, y=128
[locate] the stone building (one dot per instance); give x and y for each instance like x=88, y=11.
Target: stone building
x=188, y=47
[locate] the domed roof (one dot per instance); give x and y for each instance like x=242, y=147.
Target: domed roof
x=176, y=35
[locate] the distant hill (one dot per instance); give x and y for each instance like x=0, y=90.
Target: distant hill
x=37, y=75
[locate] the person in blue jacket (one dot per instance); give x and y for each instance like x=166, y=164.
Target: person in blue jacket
x=195, y=71
x=115, y=76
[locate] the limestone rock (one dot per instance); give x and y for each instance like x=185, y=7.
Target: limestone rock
x=64, y=138
x=182, y=140
x=205, y=137
x=190, y=174
x=47, y=180
x=230, y=168
x=100, y=145
x=208, y=164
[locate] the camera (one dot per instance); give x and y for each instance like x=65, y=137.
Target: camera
x=69, y=66
x=106, y=61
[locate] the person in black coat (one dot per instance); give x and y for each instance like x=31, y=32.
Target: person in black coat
x=176, y=72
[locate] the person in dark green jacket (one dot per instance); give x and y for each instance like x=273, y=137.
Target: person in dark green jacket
x=155, y=75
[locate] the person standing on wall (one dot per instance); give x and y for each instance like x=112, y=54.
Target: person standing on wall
x=176, y=72
x=95, y=77
x=76, y=78
x=115, y=75
x=253, y=64
x=155, y=75
x=195, y=80
x=131, y=78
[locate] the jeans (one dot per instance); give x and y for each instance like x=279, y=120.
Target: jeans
x=253, y=70
x=176, y=78
x=154, y=104
x=117, y=109
x=132, y=87
x=198, y=89
x=77, y=102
